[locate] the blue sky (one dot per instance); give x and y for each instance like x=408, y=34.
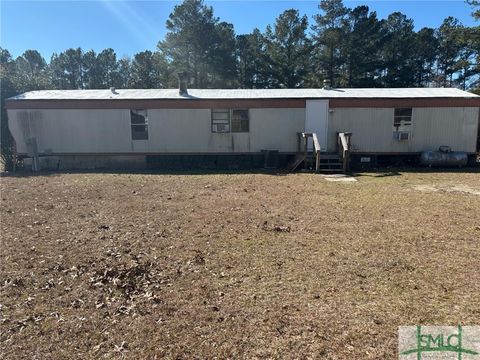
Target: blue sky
x=132, y=26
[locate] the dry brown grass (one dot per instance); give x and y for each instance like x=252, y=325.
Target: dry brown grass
x=233, y=266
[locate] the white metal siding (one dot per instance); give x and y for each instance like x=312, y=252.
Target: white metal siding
x=189, y=130
x=372, y=129
x=455, y=127
x=72, y=131
x=169, y=131
x=276, y=129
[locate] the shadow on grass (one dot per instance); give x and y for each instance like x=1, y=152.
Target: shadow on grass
x=377, y=174
x=52, y=173
x=380, y=172
x=397, y=171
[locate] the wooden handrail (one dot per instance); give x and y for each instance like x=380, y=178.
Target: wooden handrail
x=344, y=145
x=316, y=148
x=302, y=146
x=316, y=143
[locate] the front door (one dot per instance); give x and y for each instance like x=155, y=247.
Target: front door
x=316, y=121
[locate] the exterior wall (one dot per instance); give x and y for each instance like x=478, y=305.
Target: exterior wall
x=176, y=131
x=104, y=131
x=372, y=129
x=71, y=131
x=276, y=129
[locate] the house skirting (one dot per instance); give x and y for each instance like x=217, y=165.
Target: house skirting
x=265, y=159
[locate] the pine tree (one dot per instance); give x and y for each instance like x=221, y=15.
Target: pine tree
x=198, y=43
x=121, y=77
x=475, y=4
x=7, y=89
x=361, y=50
x=67, y=69
x=144, y=71
x=289, y=49
x=90, y=70
x=30, y=72
x=426, y=52
x=449, y=49
x=467, y=66
x=222, y=56
x=329, y=34
x=398, y=51
x=252, y=61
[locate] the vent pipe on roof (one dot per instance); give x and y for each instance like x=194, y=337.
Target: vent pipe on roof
x=326, y=84
x=113, y=90
x=182, y=83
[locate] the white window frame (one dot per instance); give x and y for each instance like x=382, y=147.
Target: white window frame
x=141, y=112
x=220, y=120
x=241, y=130
x=402, y=123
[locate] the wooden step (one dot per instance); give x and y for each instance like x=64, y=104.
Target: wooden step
x=331, y=170
x=329, y=156
x=331, y=164
x=328, y=163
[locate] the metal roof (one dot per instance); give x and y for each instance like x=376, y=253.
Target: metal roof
x=130, y=94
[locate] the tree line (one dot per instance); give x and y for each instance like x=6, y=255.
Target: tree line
x=349, y=47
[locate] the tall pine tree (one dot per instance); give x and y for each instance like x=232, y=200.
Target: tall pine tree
x=253, y=64
x=398, y=51
x=361, y=49
x=198, y=43
x=289, y=50
x=329, y=34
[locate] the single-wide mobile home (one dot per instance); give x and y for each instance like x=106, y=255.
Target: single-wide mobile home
x=140, y=128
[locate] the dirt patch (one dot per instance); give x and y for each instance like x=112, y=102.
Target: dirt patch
x=232, y=266
x=426, y=188
x=339, y=178
x=447, y=188
x=464, y=189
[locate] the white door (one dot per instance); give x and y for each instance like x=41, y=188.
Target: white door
x=316, y=121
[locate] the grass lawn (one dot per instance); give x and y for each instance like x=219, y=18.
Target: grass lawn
x=136, y=266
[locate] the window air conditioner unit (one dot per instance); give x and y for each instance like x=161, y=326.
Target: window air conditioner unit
x=220, y=128
x=401, y=135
